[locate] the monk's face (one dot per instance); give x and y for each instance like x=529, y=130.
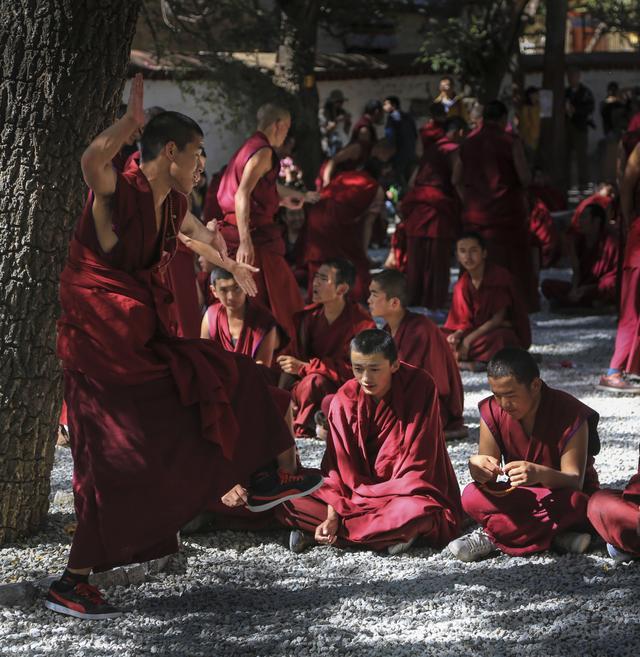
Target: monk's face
x=325, y=289
x=282, y=127
x=470, y=254
x=373, y=372
x=379, y=303
x=186, y=165
x=514, y=398
x=229, y=293
x=446, y=87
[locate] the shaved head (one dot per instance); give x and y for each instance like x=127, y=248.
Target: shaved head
x=269, y=113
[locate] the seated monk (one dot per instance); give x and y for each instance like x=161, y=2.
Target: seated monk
x=594, y=250
x=420, y=343
x=543, y=441
x=545, y=238
x=486, y=312
x=240, y=324
x=615, y=514
x=324, y=330
x=389, y=480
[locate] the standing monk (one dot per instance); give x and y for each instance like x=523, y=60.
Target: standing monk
x=249, y=196
x=494, y=175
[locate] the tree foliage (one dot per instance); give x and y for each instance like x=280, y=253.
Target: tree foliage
x=615, y=15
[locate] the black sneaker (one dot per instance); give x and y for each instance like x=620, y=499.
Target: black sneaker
x=272, y=489
x=81, y=601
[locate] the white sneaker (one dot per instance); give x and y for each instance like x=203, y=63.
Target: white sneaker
x=618, y=555
x=399, y=548
x=472, y=547
x=572, y=542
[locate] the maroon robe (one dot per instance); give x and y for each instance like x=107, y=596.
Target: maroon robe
x=365, y=121
x=277, y=286
x=553, y=198
x=334, y=227
x=386, y=467
x=470, y=308
x=615, y=515
x=527, y=519
x=431, y=212
x=421, y=344
x=544, y=234
x=326, y=347
x=399, y=247
x=158, y=424
x=495, y=207
x=430, y=133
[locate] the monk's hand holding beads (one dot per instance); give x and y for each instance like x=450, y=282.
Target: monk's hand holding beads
x=484, y=468
x=236, y=497
x=522, y=473
x=326, y=532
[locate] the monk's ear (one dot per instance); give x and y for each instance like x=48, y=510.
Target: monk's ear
x=342, y=289
x=536, y=385
x=395, y=366
x=213, y=291
x=170, y=150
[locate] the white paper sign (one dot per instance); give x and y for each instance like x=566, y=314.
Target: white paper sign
x=546, y=103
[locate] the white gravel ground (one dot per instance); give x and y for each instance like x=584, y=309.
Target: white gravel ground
x=245, y=594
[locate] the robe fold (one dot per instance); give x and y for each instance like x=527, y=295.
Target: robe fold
x=421, y=344
x=544, y=234
x=158, y=424
x=495, y=207
x=277, y=286
x=326, y=347
x=527, y=519
x=387, y=471
x=470, y=308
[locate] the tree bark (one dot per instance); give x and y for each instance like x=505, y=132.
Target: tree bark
x=63, y=68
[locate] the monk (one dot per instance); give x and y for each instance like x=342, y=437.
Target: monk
x=240, y=324
x=431, y=213
x=486, y=312
x=542, y=441
x=626, y=356
x=324, y=329
x=543, y=233
x=420, y=343
x=615, y=514
x=249, y=196
x=494, y=175
x=595, y=258
x=158, y=424
x=389, y=481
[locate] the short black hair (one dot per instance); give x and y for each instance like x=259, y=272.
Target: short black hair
x=375, y=341
x=394, y=100
x=219, y=274
x=515, y=362
x=446, y=77
x=528, y=92
x=166, y=127
x=345, y=271
x=455, y=123
x=372, y=106
x=495, y=110
x=473, y=235
x=393, y=284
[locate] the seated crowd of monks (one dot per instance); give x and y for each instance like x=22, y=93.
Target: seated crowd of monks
x=233, y=355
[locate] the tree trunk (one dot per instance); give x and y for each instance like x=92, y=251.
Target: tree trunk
x=552, y=137
x=62, y=74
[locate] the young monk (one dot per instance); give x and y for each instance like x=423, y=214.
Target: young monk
x=420, y=343
x=615, y=514
x=389, y=480
x=240, y=324
x=324, y=331
x=158, y=424
x=486, y=312
x=543, y=440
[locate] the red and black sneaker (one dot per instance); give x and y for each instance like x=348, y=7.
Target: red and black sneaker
x=272, y=489
x=80, y=601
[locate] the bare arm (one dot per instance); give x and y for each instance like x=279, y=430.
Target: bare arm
x=520, y=162
x=204, y=326
x=628, y=186
x=496, y=321
x=350, y=152
x=264, y=355
x=485, y=465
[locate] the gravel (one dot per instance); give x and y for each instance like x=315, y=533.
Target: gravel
x=245, y=594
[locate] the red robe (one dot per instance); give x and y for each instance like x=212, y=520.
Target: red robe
x=471, y=308
x=544, y=234
x=421, y=344
x=615, y=515
x=431, y=218
x=277, y=286
x=495, y=206
x=158, y=424
x=527, y=519
x=334, y=227
x=326, y=347
x=553, y=198
x=386, y=467
x=430, y=132
x=399, y=247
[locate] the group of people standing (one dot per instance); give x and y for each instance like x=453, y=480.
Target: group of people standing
x=185, y=393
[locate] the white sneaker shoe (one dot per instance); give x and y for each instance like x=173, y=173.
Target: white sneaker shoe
x=618, y=555
x=572, y=542
x=399, y=548
x=472, y=547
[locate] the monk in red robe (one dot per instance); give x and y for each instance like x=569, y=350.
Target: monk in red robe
x=249, y=196
x=615, y=515
x=494, y=175
x=486, y=312
x=431, y=216
x=389, y=481
x=545, y=238
x=542, y=441
x=420, y=343
x=324, y=329
x=626, y=356
x=158, y=424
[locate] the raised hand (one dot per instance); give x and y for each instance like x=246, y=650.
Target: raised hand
x=135, y=106
x=243, y=274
